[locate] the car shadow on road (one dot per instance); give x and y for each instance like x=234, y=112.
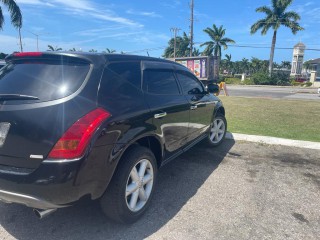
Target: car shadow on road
x=178, y=182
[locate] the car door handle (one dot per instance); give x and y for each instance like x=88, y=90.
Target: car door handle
x=160, y=115
x=193, y=107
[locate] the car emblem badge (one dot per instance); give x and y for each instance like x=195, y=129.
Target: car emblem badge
x=4, y=129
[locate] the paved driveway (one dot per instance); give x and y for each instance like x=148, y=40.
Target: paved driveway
x=238, y=191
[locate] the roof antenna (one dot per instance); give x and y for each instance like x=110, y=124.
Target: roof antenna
x=148, y=54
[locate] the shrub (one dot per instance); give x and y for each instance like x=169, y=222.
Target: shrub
x=277, y=78
x=248, y=81
x=261, y=78
x=294, y=83
x=280, y=78
x=221, y=78
x=308, y=84
x=232, y=81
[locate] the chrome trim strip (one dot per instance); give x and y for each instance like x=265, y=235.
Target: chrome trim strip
x=60, y=160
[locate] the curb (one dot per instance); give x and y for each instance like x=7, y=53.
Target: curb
x=273, y=141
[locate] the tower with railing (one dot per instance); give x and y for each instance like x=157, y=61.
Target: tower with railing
x=297, y=60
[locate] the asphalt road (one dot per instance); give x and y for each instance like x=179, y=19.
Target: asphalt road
x=273, y=92
x=238, y=191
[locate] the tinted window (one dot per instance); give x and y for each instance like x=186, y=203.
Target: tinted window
x=189, y=84
x=130, y=71
x=160, y=82
x=46, y=80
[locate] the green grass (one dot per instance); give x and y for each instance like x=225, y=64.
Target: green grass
x=292, y=119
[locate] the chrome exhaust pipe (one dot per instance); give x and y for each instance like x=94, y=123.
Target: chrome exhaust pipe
x=43, y=213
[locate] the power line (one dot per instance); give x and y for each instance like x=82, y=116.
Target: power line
x=280, y=48
x=236, y=45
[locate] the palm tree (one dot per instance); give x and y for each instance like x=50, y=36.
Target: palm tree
x=196, y=52
x=245, y=65
x=276, y=17
x=15, y=15
x=214, y=46
x=182, y=47
x=51, y=48
x=228, y=61
x=109, y=51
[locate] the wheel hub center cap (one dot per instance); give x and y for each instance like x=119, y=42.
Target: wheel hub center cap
x=140, y=183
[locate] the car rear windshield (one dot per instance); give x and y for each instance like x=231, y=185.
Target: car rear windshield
x=41, y=80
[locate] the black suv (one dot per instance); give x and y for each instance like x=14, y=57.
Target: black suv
x=74, y=125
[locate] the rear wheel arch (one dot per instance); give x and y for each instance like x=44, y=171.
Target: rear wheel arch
x=150, y=142
x=154, y=145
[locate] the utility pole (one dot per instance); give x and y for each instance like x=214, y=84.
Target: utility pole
x=191, y=28
x=37, y=36
x=175, y=31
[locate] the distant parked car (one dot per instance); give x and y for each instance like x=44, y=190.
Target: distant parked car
x=98, y=125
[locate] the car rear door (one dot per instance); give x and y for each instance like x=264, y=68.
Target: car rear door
x=169, y=108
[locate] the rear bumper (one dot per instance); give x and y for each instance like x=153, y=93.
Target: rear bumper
x=51, y=185
x=58, y=184
x=29, y=201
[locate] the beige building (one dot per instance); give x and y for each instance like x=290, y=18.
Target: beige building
x=314, y=71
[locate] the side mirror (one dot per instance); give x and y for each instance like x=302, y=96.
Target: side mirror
x=213, y=88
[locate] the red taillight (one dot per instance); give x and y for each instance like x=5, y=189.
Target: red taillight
x=74, y=141
x=28, y=54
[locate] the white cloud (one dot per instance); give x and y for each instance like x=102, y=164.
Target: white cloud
x=171, y=4
x=145, y=14
x=82, y=8
x=34, y=3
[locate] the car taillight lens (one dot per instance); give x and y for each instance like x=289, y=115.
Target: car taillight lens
x=28, y=54
x=74, y=141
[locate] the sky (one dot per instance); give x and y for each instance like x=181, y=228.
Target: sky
x=143, y=26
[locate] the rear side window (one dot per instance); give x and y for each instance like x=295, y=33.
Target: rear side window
x=160, y=82
x=130, y=71
x=44, y=79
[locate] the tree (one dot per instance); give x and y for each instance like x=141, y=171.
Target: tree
x=286, y=64
x=307, y=65
x=182, y=47
x=245, y=65
x=51, y=48
x=196, y=52
x=72, y=50
x=275, y=18
x=15, y=16
x=218, y=39
x=228, y=62
x=109, y=51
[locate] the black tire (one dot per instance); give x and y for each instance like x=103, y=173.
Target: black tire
x=114, y=203
x=216, y=141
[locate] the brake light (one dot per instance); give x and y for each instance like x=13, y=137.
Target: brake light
x=75, y=140
x=28, y=54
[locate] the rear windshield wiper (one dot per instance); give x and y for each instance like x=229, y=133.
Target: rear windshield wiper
x=6, y=97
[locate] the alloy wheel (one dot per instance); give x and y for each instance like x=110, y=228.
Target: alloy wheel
x=217, y=131
x=139, y=185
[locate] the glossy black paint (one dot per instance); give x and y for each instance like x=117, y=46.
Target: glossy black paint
x=35, y=128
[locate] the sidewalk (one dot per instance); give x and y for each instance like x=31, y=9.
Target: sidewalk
x=273, y=140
